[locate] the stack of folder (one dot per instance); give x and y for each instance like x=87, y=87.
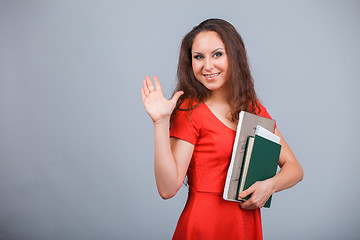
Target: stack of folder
x=260, y=160
x=255, y=155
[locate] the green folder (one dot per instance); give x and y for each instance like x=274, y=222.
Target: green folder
x=260, y=163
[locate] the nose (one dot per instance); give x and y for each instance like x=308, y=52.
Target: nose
x=209, y=65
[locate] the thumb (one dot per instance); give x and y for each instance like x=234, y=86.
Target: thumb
x=176, y=96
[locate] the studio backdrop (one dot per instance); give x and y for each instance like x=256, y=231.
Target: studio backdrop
x=76, y=145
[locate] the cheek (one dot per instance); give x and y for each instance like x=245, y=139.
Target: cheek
x=225, y=65
x=196, y=69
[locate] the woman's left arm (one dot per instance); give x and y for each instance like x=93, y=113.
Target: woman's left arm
x=290, y=174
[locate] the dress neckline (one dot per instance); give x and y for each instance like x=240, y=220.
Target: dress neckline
x=217, y=119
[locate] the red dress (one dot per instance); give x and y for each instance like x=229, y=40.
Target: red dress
x=206, y=214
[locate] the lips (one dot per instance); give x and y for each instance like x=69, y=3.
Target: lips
x=211, y=76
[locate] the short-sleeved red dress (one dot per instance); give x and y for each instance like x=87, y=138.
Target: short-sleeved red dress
x=206, y=214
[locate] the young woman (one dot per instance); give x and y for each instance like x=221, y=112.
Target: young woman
x=195, y=131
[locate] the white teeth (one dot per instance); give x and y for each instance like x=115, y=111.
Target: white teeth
x=212, y=75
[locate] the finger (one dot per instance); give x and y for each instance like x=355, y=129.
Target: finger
x=145, y=87
x=243, y=194
x=143, y=96
x=149, y=84
x=157, y=84
x=176, y=97
x=243, y=205
x=247, y=205
x=247, y=192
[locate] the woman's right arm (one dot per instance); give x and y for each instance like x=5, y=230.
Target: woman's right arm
x=172, y=155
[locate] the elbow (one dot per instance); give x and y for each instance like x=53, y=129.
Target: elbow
x=168, y=191
x=166, y=195
x=301, y=175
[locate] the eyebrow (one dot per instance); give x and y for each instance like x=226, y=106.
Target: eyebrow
x=211, y=52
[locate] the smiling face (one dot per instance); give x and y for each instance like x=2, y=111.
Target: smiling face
x=210, y=61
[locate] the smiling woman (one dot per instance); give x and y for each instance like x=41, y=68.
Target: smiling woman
x=210, y=62
x=195, y=131
x=227, y=49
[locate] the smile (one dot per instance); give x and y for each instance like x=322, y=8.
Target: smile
x=211, y=75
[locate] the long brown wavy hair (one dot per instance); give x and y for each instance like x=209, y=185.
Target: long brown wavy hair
x=241, y=93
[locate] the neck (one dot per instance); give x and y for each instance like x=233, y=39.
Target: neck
x=220, y=95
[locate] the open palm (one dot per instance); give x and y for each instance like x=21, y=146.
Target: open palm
x=155, y=104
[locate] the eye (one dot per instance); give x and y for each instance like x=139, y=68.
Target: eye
x=218, y=54
x=198, y=57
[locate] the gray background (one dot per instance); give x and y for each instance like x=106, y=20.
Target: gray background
x=76, y=146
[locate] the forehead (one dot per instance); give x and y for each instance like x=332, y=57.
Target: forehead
x=207, y=41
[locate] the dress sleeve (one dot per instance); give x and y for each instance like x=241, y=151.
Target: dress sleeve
x=264, y=112
x=184, y=127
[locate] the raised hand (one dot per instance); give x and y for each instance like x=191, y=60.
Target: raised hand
x=156, y=105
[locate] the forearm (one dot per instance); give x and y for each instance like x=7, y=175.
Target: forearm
x=167, y=173
x=291, y=171
x=165, y=167
x=290, y=174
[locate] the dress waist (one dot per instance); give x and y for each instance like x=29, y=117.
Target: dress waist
x=193, y=190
